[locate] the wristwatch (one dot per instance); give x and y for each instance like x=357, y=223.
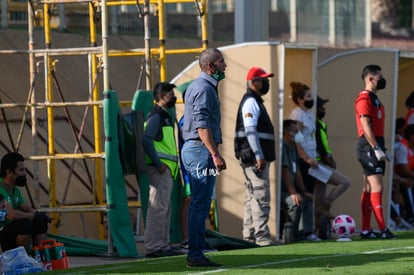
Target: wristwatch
x=376, y=147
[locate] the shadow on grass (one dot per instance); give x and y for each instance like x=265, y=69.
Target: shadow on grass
x=324, y=256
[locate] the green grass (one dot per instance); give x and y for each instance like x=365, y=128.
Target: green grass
x=327, y=257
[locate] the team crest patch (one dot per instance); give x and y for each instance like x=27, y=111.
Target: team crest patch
x=246, y=115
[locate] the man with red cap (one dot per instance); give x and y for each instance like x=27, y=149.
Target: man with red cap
x=254, y=146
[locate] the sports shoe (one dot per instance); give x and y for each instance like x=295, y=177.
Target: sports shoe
x=160, y=253
x=202, y=262
x=368, y=235
x=344, y=238
x=266, y=242
x=176, y=250
x=184, y=247
x=312, y=237
x=387, y=234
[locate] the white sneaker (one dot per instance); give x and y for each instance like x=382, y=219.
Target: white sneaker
x=344, y=238
x=313, y=238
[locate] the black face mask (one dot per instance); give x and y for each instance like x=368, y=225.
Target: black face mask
x=171, y=103
x=381, y=84
x=265, y=87
x=20, y=181
x=308, y=104
x=320, y=114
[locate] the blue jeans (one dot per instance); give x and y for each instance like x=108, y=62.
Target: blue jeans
x=200, y=167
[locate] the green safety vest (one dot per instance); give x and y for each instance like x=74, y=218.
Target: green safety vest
x=322, y=138
x=166, y=150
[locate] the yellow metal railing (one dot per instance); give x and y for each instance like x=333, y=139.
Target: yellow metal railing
x=95, y=55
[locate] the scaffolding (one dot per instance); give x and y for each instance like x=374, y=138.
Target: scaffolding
x=98, y=67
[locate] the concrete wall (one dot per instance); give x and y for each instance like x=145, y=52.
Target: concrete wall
x=339, y=80
x=405, y=81
x=287, y=62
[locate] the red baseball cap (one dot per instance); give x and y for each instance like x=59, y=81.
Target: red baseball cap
x=257, y=72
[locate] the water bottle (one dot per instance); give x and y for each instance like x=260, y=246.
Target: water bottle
x=324, y=228
x=47, y=257
x=288, y=232
x=36, y=255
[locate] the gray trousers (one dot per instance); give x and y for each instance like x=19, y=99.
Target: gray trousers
x=301, y=216
x=256, y=206
x=157, y=227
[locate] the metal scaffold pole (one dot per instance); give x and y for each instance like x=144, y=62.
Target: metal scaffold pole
x=105, y=59
x=147, y=38
x=54, y=170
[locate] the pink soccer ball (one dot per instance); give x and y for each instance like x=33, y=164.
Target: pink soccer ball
x=343, y=225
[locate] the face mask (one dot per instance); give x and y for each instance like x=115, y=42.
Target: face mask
x=3, y=215
x=171, y=103
x=20, y=181
x=381, y=84
x=218, y=75
x=299, y=138
x=320, y=114
x=308, y=104
x=265, y=87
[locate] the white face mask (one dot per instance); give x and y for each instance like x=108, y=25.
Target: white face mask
x=299, y=138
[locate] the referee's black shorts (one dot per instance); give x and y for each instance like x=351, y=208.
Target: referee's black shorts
x=367, y=159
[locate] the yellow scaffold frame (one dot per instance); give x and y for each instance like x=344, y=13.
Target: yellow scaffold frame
x=98, y=55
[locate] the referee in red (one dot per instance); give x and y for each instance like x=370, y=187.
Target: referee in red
x=370, y=118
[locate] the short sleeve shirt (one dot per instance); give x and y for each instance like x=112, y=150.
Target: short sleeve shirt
x=14, y=201
x=290, y=159
x=409, y=154
x=251, y=112
x=368, y=104
x=309, y=127
x=409, y=117
x=400, y=153
x=17, y=199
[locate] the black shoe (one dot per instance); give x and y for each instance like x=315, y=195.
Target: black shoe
x=369, y=235
x=202, y=262
x=177, y=250
x=161, y=253
x=184, y=245
x=387, y=234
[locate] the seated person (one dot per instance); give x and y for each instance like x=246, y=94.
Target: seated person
x=3, y=211
x=397, y=221
x=404, y=166
x=23, y=226
x=340, y=182
x=294, y=197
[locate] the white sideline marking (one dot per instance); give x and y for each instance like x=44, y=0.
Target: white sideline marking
x=387, y=249
x=298, y=260
x=103, y=269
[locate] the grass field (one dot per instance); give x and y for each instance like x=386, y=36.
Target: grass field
x=327, y=257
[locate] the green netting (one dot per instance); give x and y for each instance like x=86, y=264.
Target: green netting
x=76, y=246
x=120, y=225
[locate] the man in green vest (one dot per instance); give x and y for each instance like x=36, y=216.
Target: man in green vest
x=162, y=159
